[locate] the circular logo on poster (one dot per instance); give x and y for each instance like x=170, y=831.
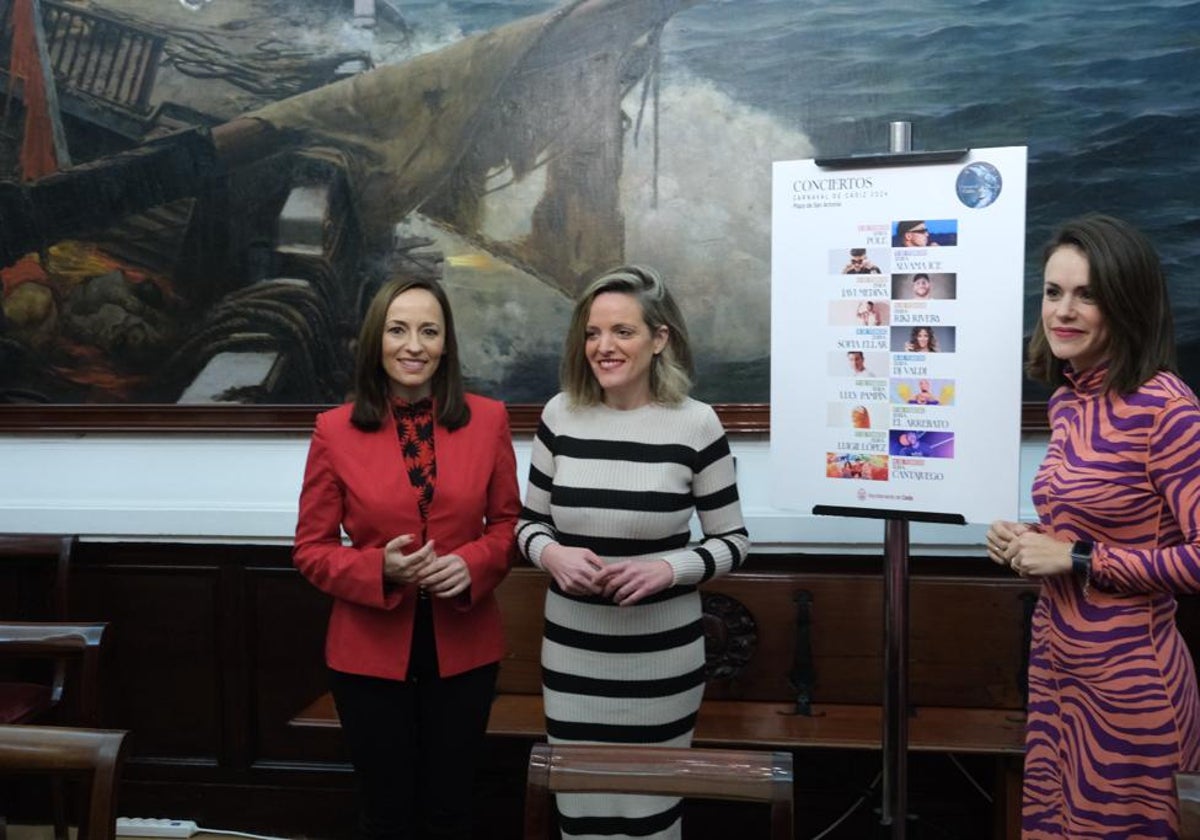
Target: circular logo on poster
x=862, y=494
x=978, y=184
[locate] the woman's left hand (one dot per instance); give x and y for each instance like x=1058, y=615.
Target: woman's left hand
x=1000, y=534
x=1034, y=554
x=629, y=581
x=446, y=576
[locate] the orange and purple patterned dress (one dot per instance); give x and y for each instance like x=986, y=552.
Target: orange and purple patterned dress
x=1113, y=703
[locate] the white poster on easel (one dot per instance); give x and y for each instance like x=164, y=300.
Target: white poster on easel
x=896, y=336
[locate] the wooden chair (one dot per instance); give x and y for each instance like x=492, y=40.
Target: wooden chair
x=96, y=755
x=745, y=775
x=35, y=570
x=71, y=649
x=50, y=552
x=49, y=667
x=1187, y=787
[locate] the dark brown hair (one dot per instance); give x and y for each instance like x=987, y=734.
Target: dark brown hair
x=912, y=344
x=371, y=395
x=1127, y=283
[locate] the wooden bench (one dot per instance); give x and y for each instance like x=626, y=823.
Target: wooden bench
x=966, y=649
x=757, y=723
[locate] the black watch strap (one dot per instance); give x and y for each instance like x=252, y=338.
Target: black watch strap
x=1081, y=557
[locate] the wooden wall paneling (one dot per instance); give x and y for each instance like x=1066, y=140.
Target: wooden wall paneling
x=216, y=647
x=164, y=677
x=966, y=641
x=234, y=660
x=847, y=645
x=191, y=680
x=25, y=589
x=286, y=620
x=522, y=595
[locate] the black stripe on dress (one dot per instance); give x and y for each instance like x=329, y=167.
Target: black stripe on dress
x=602, y=733
x=574, y=684
x=540, y=480
x=639, y=500
x=636, y=643
x=624, y=450
x=527, y=533
x=712, y=453
x=600, y=601
x=545, y=435
x=622, y=547
x=735, y=553
x=533, y=517
x=719, y=499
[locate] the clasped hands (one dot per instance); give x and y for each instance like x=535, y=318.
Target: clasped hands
x=441, y=575
x=578, y=571
x=1026, y=550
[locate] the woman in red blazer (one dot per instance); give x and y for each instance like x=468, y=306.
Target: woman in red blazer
x=421, y=478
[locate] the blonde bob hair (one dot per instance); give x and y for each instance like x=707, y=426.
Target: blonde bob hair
x=671, y=370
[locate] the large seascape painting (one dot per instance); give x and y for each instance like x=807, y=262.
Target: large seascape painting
x=227, y=181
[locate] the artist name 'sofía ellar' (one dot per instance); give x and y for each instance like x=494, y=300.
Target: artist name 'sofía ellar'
x=818, y=192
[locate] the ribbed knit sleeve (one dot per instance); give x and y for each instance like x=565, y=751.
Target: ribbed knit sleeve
x=718, y=506
x=535, y=527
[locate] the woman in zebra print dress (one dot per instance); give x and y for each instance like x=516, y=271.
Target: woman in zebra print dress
x=621, y=460
x=1113, y=710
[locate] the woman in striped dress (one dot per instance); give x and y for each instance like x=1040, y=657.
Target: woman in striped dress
x=621, y=459
x=1113, y=705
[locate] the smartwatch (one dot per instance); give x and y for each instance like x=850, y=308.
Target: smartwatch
x=1081, y=557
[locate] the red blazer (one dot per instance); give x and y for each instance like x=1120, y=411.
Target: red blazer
x=357, y=481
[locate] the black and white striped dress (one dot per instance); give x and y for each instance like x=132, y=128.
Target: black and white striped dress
x=625, y=485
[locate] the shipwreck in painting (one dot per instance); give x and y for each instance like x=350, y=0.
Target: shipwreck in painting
x=175, y=252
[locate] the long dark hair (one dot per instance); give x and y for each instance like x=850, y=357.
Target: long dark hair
x=1127, y=282
x=371, y=395
x=915, y=345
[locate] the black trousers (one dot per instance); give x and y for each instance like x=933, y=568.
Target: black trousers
x=415, y=744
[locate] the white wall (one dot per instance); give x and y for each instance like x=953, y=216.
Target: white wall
x=242, y=489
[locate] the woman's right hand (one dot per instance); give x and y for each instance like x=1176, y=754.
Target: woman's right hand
x=573, y=569
x=401, y=568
